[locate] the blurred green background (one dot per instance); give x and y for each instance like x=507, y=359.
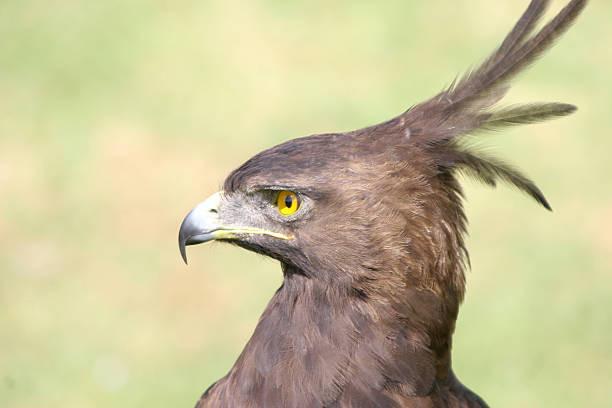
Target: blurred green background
x=117, y=117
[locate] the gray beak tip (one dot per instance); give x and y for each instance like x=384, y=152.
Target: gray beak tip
x=183, y=251
x=184, y=255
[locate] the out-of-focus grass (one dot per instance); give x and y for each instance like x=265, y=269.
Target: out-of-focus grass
x=116, y=117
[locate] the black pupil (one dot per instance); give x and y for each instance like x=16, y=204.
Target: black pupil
x=288, y=201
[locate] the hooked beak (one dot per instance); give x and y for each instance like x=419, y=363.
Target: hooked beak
x=202, y=224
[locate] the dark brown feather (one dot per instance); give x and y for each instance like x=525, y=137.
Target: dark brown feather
x=462, y=108
x=526, y=114
x=489, y=170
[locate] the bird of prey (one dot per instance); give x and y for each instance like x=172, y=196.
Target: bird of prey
x=368, y=227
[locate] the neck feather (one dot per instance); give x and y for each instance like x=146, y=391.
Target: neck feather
x=316, y=342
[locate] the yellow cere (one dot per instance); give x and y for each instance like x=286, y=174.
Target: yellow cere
x=287, y=203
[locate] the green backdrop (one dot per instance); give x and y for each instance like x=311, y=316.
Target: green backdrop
x=117, y=117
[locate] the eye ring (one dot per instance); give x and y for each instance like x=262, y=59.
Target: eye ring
x=287, y=202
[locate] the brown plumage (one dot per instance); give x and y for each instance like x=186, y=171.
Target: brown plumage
x=371, y=243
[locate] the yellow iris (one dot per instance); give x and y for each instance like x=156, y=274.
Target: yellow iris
x=287, y=203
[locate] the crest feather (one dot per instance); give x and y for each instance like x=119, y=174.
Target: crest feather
x=467, y=106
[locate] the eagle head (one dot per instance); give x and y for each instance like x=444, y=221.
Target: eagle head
x=344, y=208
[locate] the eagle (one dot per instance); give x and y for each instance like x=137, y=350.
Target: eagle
x=369, y=229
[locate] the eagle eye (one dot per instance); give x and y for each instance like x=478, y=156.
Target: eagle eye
x=287, y=203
